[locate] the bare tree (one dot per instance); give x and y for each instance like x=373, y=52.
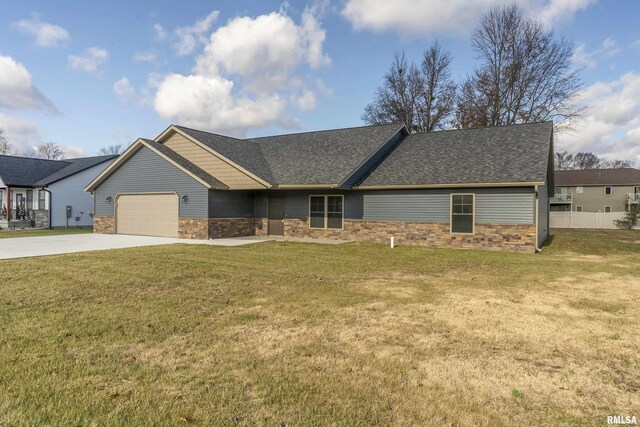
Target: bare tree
x=615, y=164
x=564, y=160
x=438, y=90
x=110, y=150
x=395, y=101
x=49, y=150
x=584, y=160
x=6, y=147
x=423, y=98
x=524, y=74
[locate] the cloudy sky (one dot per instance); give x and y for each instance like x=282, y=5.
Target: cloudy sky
x=90, y=74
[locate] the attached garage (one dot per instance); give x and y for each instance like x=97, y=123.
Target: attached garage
x=149, y=214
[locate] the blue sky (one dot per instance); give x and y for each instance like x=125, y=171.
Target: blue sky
x=90, y=74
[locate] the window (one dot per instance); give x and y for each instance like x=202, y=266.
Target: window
x=608, y=190
x=560, y=190
x=326, y=211
x=41, y=199
x=579, y=190
x=29, y=199
x=578, y=208
x=462, y=220
x=607, y=209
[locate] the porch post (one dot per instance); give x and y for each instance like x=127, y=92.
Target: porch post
x=8, y=203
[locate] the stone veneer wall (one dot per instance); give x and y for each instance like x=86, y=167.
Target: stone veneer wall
x=231, y=227
x=509, y=237
x=104, y=224
x=261, y=226
x=193, y=228
x=41, y=218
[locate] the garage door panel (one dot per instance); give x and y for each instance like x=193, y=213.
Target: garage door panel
x=147, y=214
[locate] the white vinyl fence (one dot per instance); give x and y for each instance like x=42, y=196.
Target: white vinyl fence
x=584, y=219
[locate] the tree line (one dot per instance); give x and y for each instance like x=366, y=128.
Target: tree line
x=47, y=150
x=523, y=75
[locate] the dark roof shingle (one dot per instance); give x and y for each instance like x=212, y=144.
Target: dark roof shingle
x=516, y=153
x=26, y=172
x=619, y=176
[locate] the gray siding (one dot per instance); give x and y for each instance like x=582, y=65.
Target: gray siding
x=493, y=205
x=231, y=204
x=69, y=192
x=296, y=203
x=146, y=172
x=374, y=160
x=543, y=214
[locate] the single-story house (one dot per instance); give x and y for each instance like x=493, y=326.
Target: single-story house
x=49, y=191
x=476, y=188
x=596, y=190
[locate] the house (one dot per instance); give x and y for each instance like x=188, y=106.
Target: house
x=477, y=188
x=596, y=190
x=45, y=188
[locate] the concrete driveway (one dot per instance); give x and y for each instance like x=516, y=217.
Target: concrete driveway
x=24, y=247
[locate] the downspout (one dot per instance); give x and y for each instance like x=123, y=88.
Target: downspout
x=50, y=205
x=538, y=250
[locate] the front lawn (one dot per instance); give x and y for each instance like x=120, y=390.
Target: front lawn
x=7, y=234
x=302, y=334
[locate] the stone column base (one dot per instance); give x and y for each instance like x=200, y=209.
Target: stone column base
x=104, y=224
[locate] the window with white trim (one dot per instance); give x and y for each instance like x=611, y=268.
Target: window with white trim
x=578, y=208
x=41, y=199
x=326, y=211
x=607, y=209
x=579, y=190
x=462, y=213
x=608, y=190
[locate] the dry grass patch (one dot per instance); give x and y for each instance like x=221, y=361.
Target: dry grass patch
x=299, y=334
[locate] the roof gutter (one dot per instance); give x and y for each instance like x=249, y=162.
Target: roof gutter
x=456, y=185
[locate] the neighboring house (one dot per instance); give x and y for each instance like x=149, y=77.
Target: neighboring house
x=596, y=190
x=477, y=188
x=46, y=187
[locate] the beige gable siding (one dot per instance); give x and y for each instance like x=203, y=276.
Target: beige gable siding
x=210, y=163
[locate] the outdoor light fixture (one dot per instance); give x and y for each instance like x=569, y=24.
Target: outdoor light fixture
x=109, y=199
x=185, y=198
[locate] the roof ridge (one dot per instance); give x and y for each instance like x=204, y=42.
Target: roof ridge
x=35, y=158
x=480, y=127
x=324, y=130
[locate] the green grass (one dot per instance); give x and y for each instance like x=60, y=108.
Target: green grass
x=303, y=334
x=4, y=234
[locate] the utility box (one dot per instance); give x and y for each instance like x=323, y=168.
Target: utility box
x=68, y=212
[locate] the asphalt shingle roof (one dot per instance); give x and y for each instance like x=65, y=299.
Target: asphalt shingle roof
x=26, y=172
x=619, y=176
x=322, y=157
x=74, y=166
x=516, y=153
x=178, y=159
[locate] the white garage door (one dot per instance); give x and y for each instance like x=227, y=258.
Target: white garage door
x=147, y=214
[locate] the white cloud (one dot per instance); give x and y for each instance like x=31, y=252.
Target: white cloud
x=46, y=34
x=306, y=101
x=17, y=91
x=611, y=126
x=249, y=71
x=453, y=17
x=123, y=90
x=560, y=10
x=22, y=134
x=209, y=103
x=160, y=33
x=72, y=151
x=90, y=60
x=150, y=56
x=583, y=58
x=188, y=38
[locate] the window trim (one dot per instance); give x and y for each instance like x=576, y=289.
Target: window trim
x=473, y=214
x=605, y=190
x=579, y=209
x=579, y=190
x=605, y=209
x=326, y=211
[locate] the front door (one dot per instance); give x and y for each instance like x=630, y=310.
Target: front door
x=276, y=214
